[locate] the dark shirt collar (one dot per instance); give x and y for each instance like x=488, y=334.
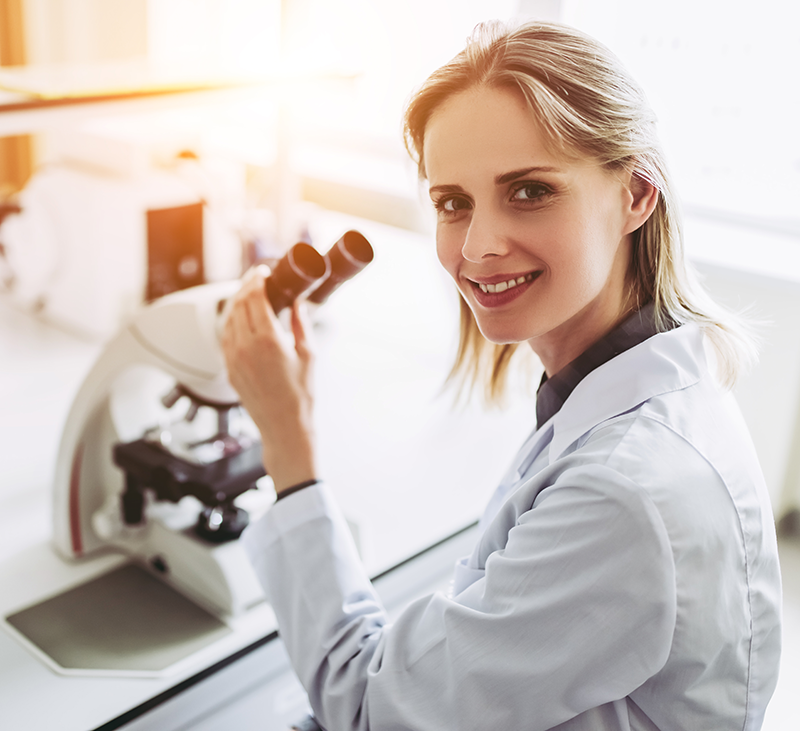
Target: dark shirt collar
x=554, y=391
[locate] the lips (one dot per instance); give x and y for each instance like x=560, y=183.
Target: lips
x=499, y=290
x=506, y=284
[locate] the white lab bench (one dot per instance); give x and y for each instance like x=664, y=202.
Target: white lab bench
x=243, y=681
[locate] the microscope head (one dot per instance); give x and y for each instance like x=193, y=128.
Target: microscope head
x=180, y=332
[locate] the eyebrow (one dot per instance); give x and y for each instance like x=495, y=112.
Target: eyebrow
x=445, y=189
x=499, y=179
x=514, y=174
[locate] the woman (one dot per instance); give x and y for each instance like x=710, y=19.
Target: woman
x=626, y=573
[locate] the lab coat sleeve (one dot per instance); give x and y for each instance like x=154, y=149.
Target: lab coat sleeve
x=577, y=610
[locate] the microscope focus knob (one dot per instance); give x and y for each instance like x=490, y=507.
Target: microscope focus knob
x=222, y=523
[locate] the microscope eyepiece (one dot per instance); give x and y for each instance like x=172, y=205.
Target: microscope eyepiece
x=298, y=271
x=346, y=258
x=303, y=269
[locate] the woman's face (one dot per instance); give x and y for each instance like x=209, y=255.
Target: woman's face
x=537, y=244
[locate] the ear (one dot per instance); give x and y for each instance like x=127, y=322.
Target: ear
x=643, y=197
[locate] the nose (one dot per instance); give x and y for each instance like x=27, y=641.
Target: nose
x=484, y=237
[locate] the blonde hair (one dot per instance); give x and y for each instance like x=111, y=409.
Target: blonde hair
x=587, y=104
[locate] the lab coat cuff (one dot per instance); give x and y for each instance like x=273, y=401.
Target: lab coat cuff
x=284, y=516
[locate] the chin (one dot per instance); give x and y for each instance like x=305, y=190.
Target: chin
x=501, y=336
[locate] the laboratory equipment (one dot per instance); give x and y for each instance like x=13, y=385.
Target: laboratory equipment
x=169, y=497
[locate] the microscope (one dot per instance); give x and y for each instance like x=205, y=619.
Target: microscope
x=168, y=498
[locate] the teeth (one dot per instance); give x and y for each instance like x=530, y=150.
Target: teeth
x=503, y=286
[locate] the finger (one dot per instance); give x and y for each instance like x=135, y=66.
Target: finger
x=259, y=270
x=236, y=302
x=262, y=316
x=301, y=327
x=230, y=315
x=236, y=331
x=241, y=315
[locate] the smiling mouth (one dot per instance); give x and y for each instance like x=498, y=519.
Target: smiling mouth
x=498, y=287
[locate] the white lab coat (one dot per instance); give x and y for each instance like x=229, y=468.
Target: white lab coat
x=626, y=577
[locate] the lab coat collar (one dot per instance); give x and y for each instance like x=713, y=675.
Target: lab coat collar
x=663, y=363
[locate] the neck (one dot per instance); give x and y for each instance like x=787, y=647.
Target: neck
x=558, y=349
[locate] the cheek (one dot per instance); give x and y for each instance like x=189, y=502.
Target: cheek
x=448, y=250
x=589, y=263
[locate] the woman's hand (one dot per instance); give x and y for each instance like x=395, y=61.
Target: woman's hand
x=271, y=370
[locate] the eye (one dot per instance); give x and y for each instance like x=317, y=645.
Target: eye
x=530, y=192
x=451, y=205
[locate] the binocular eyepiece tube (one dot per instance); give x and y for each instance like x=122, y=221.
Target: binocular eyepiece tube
x=303, y=269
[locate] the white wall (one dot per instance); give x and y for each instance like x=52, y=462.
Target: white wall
x=757, y=271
